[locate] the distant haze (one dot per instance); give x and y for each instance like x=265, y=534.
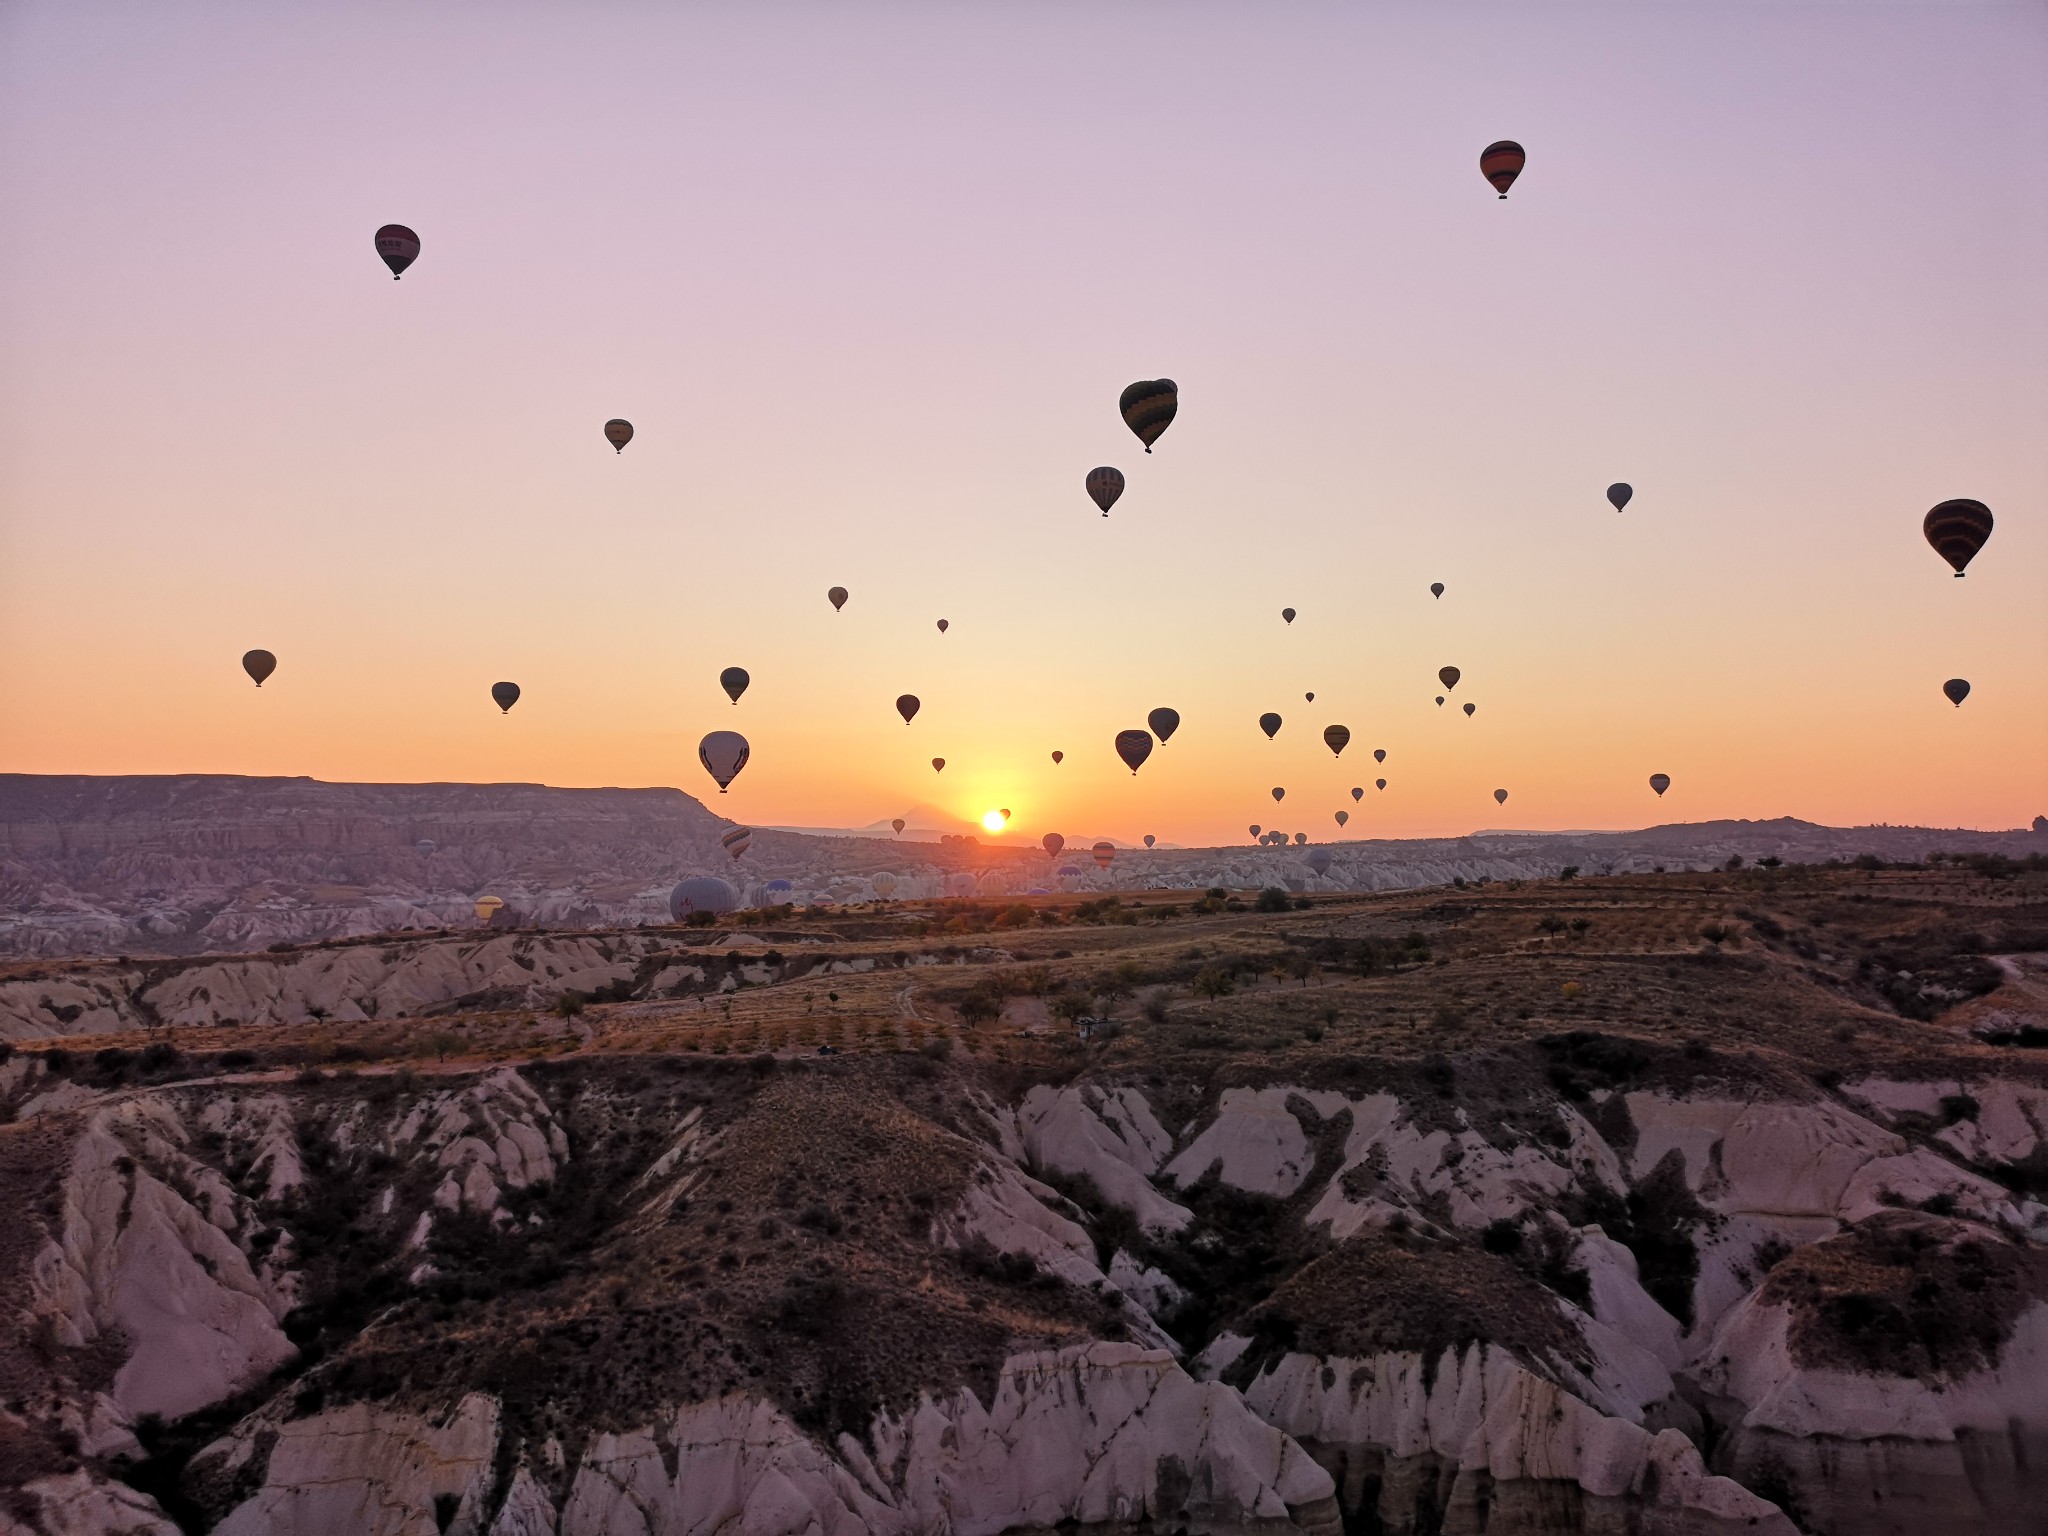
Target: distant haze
x=867, y=281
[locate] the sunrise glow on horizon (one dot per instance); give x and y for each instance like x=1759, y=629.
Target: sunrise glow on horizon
x=868, y=284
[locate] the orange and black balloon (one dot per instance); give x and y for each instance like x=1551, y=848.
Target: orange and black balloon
x=1148, y=407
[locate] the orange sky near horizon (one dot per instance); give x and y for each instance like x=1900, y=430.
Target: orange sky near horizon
x=870, y=309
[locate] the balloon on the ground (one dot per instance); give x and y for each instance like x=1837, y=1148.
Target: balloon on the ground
x=1660, y=782
x=1501, y=162
x=1319, y=860
x=1436, y=589
x=723, y=754
x=1957, y=530
x=736, y=840
x=259, y=665
x=1052, y=843
x=399, y=247
x=1103, y=852
x=1270, y=724
x=1148, y=408
x=1957, y=689
x=1164, y=722
x=701, y=893
x=505, y=695
x=1104, y=486
x=959, y=885
x=1287, y=615
x=836, y=596
x=907, y=706
x=488, y=907
x=1336, y=738
x=424, y=847
x=1133, y=747
x=1500, y=797
x=1342, y=817
x=1301, y=839
x=618, y=432
x=734, y=681
x=1448, y=676
x=1619, y=493
x=884, y=884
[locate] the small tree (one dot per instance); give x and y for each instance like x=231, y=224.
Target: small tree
x=981, y=1004
x=568, y=1005
x=1551, y=923
x=1212, y=982
x=1569, y=872
x=1273, y=899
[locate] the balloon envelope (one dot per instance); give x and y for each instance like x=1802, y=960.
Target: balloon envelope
x=1336, y=738
x=1279, y=793
x=1501, y=162
x=1957, y=530
x=423, y=847
x=1342, y=817
x=1357, y=793
x=1148, y=408
x=734, y=681
x=618, y=432
x=1150, y=839
x=1619, y=493
x=1287, y=615
x=1104, y=852
x=897, y=823
x=1270, y=724
x=907, y=706
x=884, y=884
x=505, y=695
x=938, y=765
x=1500, y=797
x=944, y=625
x=399, y=247
x=1255, y=829
x=259, y=665
x=1052, y=843
x=1377, y=784
x=736, y=840
x=487, y=907
x=1104, y=486
x=1448, y=676
x=1058, y=756
x=1164, y=722
x=1319, y=860
x=1469, y=708
x=1379, y=754
x=836, y=596
x=1660, y=782
x=1436, y=589
x=701, y=893
x=1133, y=747
x=1957, y=689
x=723, y=754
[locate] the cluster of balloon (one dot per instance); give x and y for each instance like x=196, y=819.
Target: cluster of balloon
x=1500, y=163
x=944, y=626
x=1058, y=757
x=938, y=765
x=1150, y=839
x=907, y=706
x=1104, y=486
x=1957, y=530
x=723, y=754
x=1619, y=493
x=1342, y=817
x=1270, y=724
x=734, y=681
x=1436, y=589
x=1336, y=738
x=259, y=665
x=836, y=596
x=505, y=695
x=1148, y=408
x=736, y=840
x=1660, y=782
x=1957, y=689
x=1163, y=721
x=399, y=247
x=488, y=907
x=1103, y=852
x=1287, y=615
x=1052, y=843
x=618, y=432
x=898, y=824
x=1134, y=747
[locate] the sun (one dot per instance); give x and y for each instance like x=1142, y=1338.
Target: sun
x=993, y=821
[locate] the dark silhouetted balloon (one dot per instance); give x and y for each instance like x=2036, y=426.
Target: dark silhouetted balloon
x=1052, y=843
x=505, y=695
x=1150, y=839
x=723, y=754
x=1104, y=852
x=1133, y=747
x=1357, y=793
x=1448, y=676
x=1279, y=794
x=1436, y=589
x=1660, y=782
x=1164, y=723
x=1105, y=485
x=1957, y=689
x=1148, y=407
x=1619, y=493
x=907, y=706
x=1287, y=614
x=1270, y=724
x=1469, y=709
x=399, y=247
x=260, y=664
x=1957, y=530
x=1301, y=839
x=836, y=596
x=938, y=765
x=944, y=625
x=1059, y=757
x=618, y=432
x=1319, y=861
x=1379, y=754
x=734, y=681
x=701, y=893
x=1343, y=816
x=1500, y=797
x=1501, y=162
x=1336, y=738
x=1379, y=783
x=898, y=823
x=1255, y=829
x=1309, y=697
x=736, y=840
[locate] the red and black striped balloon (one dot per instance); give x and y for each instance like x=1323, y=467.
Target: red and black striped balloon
x=1957, y=530
x=1148, y=408
x=1501, y=162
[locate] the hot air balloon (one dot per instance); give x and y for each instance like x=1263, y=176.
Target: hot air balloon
x=505, y=695
x=1150, y=839
x=1301, y=839
x=1957, y=530
x=1311, y=698
x=1660, y=782
x=1500, y=163
x=1342, y=817
x=1279, y=794
x=723, y=754
x=1448, y=676
x=424, y=847
x=960, y=885
x=1270, y=724
x=488, y=907
x=1470, y=708
x=1103, y=852
x=1287, y=614
x=259, y=665
x=1004, y=814
x=1336, y=738
x=884, y=884
x=1379, y=754
x=736, y=840
x=1133, y=747
x=1164, y=723
x=1255, y=829
x=1319, y=861
x=907, y=706
x=1059, y=757
x=734, y=681
x=1379, y=784
x=898, y=824
x=1957, y=690
x=836, y=596
x=399, y=247
x=1052, y=843
x=1439, y=701
x=938, y=765
x=1105, y=485
x=1619, y=493
x=1500, y=797
x=944, y=625
x=701, y=893
x=618, y=432
x=778, y=887
x=1357, y=793
x=1148, y=408
x=1436, y=589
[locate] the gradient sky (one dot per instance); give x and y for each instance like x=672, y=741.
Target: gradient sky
x=868, y=280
